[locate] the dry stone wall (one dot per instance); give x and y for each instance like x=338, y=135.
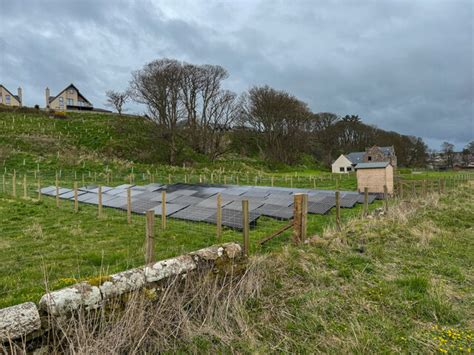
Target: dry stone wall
x=24, y=321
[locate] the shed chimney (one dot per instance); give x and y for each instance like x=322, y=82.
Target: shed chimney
x=47, y=97
x=20, y=96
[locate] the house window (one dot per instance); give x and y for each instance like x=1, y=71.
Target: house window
x=341, y=169
x=1, y=98
x=369, y=158
x=61, y=102
x=70, y=102
x=349, y=168
x=7, y=99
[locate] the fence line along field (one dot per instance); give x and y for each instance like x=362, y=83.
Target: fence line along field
x=50, y=242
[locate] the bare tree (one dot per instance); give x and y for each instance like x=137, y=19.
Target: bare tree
x=448, y=153
x=158, y=86
x=280, y=119
x=117, y=99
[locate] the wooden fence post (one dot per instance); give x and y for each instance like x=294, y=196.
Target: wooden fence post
x=366, y=201
x=300, y=213
x=423, y=187
x=439, y=186
x=39, y=189
x=14, y=183
x=219, y=216
x=57, y=191
x=25, y=188
x=163, y=209
x=304, y=217
x=129, y=206
x=4, y=185
x=245, y=226
x=338, y=210
x=76, y=202
x=413, y=188
x=150, y=243
x=272, y=180
x=385, y=198
x=99, y=202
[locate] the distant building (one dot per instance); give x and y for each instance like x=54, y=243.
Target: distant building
x=70, y=99
x=8, y=99
x=346, y=163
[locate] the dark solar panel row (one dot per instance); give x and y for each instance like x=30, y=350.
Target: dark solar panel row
x=199, y=202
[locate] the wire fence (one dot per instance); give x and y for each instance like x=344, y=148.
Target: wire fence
x=51, y=236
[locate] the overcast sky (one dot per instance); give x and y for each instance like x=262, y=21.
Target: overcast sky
x=405, y=66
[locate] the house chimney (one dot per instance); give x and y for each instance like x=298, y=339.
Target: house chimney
x=47, y=97
x=20, y=96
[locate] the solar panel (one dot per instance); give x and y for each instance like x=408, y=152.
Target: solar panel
x=116, y=202
x=237, y=191
x=281, y=200
x=169, y=196
x=140, y=206
x=191, y=200
x=233, y=218
x=153, y=187
x=86, y=196
x=194, y=213
x=256, y=193
x=237, y=205
x=275, y=211
x=348, y=201
x=46, y=190
x=124, y=186
x=124, y=193
x=70, y=194
x=211, y=202
x=186, y=192
x=61, y=191
x=96, y=189
x=170, y=208
x=319, y=207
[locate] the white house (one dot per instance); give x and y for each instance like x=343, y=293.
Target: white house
x=342, y=165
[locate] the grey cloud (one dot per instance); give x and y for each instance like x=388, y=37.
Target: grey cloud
x=401, y=65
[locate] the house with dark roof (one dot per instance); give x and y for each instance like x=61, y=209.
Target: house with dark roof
x=346, y=163
x=69, y=99
x=8, y=99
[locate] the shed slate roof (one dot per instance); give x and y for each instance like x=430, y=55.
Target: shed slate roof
x=375, y=165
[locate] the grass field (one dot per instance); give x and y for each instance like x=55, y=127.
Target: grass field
x=396, y=283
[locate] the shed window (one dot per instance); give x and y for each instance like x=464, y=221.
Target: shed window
x=349, y=168
x=369, y=158
x=341, y=169
x=7, y=99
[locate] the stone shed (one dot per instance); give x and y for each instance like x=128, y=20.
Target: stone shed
x=374, y=176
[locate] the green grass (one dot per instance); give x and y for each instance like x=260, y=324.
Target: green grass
x=408, y=290
x=41, y=242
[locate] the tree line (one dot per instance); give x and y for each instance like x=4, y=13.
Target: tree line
x=192, y=109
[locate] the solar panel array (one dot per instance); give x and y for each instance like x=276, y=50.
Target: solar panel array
x=198, y=202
